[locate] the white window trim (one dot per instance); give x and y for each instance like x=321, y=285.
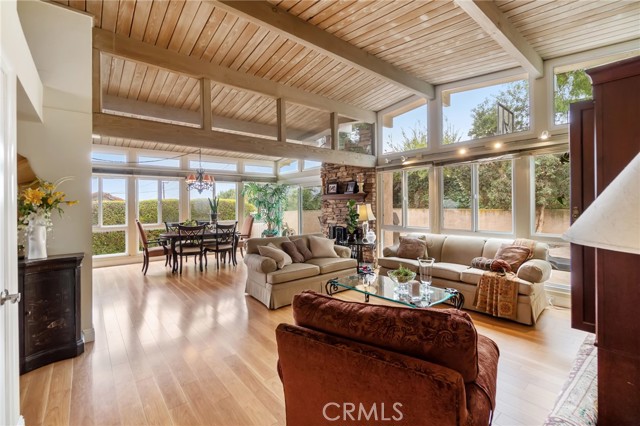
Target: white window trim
x=100, y=228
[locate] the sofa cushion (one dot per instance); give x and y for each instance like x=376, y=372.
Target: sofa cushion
x=290, y=248
x=254, y=243
x=282, y=259
x=302, y=246
x=448, y=271
x=412, y=248
x=513, y=255
x=322, y=247
x=472, y=276
x=442, y=336
x=395, y=262
x=330, y=264
x=295, y=271
x=461, y=250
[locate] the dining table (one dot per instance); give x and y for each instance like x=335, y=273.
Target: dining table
x=172, y=237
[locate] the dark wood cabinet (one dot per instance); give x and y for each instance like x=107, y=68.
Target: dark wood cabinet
x=615, y=121
x=49, y=311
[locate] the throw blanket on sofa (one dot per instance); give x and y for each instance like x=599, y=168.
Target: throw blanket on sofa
x=497, y=294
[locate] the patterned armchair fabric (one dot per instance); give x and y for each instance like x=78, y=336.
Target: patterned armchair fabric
x=430, y=365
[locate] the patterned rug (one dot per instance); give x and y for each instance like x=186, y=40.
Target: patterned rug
x=577, y=404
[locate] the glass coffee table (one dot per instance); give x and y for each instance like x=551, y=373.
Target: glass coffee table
x=381, y=287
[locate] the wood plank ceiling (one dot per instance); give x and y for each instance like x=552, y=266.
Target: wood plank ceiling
x=435, y=41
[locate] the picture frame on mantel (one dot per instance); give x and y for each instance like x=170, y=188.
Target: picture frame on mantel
x=350, y=188
x=332, y=188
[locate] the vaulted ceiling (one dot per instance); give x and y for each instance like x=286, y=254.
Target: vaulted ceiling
x=366, y=54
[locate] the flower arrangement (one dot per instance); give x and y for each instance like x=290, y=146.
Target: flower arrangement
x=36, y=204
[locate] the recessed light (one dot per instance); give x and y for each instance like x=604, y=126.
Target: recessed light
x=497, y=145
x=403, y=158
x=462, y=151
x=544, y=135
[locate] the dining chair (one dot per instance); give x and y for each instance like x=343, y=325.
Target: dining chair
x=224, y=243
x=190, y=243
x=245, y=233
x=172, y=226
x=147, y=251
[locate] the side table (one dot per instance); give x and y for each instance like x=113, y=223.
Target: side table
x=357, y=250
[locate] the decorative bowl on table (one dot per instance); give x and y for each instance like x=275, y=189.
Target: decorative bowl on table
x=401, y=277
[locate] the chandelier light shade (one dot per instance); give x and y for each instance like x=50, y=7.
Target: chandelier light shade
x=612, y=221
x=200, y=181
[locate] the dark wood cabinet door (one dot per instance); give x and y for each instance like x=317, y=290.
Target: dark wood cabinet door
x=583, y=186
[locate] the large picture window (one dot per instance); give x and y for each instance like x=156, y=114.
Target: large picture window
x=405, y=129
x=551, y=179
x=487, y=111
x=478, y=197
x=109, y=215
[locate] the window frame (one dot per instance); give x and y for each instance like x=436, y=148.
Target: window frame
x=100, y=228
x=475, y=202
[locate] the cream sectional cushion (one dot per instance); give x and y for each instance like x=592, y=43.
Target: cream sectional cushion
x=329, y=264
x=448, y=271
x=395, y=262
x=461, y=250
x=295, y=271
x=253, y=243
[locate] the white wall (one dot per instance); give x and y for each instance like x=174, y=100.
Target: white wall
x=60, y=43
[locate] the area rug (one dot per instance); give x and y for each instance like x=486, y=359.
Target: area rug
x=577, y=404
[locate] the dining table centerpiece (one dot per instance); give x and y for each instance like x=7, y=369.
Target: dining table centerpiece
x=35, y=205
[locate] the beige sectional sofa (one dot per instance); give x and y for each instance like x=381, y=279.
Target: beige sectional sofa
x=276, y=287
x=453, y=255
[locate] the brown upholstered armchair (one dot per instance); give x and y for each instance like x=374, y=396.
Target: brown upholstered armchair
x=356, y=363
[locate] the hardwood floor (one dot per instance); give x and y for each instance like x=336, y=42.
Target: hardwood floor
x=194, y=349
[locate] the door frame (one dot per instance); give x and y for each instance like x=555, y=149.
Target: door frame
x=9, y=341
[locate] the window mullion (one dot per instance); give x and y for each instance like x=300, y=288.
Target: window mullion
x=405, y=199
x=475, y=210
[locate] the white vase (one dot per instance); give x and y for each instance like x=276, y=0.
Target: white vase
x=37, y=238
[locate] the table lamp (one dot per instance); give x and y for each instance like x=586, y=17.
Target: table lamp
x=612, y=221
x=366, y=214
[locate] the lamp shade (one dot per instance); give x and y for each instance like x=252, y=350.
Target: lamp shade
x=612, y=221
x=370, y=212
x=362, y=213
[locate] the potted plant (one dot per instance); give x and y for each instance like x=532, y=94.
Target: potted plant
x=213, y=205
x=352, y=220
x=269, y=200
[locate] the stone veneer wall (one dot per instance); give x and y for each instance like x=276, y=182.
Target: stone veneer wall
x=334, y=212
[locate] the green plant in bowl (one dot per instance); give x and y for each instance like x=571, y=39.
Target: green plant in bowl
x=401, y=275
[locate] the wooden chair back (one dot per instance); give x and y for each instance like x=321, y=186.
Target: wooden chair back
x=142, y=235
x=225, y=234
x=247, y=226
x=190, y=237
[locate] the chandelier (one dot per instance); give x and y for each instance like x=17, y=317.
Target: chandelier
x=199, y=180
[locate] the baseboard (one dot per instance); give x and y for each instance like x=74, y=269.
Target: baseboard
x=89, y=335
x=558, y=296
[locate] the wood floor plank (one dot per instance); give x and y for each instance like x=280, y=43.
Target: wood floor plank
x=194, y=349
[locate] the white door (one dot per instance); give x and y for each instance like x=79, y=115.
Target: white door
x=9, y=353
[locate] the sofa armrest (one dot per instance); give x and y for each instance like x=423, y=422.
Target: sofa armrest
x=342, y=251
x=535, y=271
x=260, y=264
x=391, y=251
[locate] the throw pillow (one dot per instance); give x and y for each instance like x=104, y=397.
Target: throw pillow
x=322, y=247
x=282, y=259
x=301, y=245
x=513, y=255
x=290, y=248
x=481, y=263
x=412, y=248
x=486, y=264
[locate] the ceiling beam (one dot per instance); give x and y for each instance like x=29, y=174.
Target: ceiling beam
x=118, y=45
x=132, y=128
x=492, y=20
x=292, y=27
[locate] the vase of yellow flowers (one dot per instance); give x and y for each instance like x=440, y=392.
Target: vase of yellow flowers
x=34, y=214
